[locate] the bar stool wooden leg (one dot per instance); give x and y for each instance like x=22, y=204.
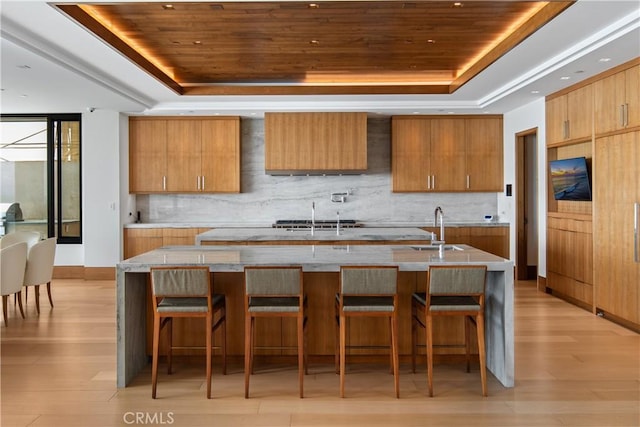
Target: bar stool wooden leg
x=481, y=352
x=248, y=344
x=343, y=349
x=467, y=341
x=154, y=356
x=394, y=354
x=209, y=343
x=301, y=353
x=429, y=341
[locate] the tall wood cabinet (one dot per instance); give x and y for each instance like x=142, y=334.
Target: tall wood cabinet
x=184, y=155
x=436, y=154
x=616, y=214
x=593, y=252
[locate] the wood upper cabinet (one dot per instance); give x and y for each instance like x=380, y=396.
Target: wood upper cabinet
x=446, y=154
x=184, y=155
x=484, y=154
x=315, y=142
x=147, y=155
x=617, y=101
x=410, y=153
x=570, y=116
x=616, y=214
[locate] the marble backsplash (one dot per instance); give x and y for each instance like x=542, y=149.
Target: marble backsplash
x=265, y=198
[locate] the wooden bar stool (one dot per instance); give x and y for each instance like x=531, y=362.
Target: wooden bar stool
x=368, y=291
x=273, y=292
x=451, y=291
x=185, y=292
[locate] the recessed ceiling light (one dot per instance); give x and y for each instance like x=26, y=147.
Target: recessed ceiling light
x=535, y=91
x=604, y=59
x=565, y=78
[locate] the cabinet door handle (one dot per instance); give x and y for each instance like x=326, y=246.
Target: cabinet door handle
x=433, y=177
x=622, y=115
x=468, y=182
x=164, y=182
x=202, y=182
x=636, y=214
x=626, y=115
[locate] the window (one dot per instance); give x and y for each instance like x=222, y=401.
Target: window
x=40, y=171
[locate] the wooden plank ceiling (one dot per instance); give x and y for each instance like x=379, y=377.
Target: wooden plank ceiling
x=327, y=47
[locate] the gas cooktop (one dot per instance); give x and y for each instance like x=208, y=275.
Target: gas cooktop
x=319, y=224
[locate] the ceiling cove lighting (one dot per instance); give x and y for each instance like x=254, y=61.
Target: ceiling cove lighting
x=121, y=34
x=517, y=23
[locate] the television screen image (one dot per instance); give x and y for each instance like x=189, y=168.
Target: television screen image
x=570, y=179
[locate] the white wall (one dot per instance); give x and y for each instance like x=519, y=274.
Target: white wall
x=529, y=116
x=101, y=188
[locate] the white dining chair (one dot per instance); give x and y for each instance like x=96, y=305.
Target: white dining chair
x=39, y=269
x=12, y=268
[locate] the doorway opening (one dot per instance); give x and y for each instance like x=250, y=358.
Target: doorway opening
x=527, y=205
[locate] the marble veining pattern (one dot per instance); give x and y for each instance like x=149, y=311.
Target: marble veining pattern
x=265, y=198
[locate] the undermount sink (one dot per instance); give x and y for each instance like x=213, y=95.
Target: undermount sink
x=437, y=248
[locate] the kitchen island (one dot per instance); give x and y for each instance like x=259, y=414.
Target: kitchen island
x=320, y=264
x=304, y=236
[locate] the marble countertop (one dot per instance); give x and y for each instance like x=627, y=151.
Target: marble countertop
x=395, y=234
x=326, y=258
x=209, y=224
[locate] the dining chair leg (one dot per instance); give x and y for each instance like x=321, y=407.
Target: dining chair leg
x=37, y=291
x=49, y=293
x=209, y=343
x=154, y=357
x=4, y=309
x=19, y=295
x=429, y=341
x=343, y=348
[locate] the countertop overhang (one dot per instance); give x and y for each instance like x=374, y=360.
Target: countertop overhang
x=325, y=258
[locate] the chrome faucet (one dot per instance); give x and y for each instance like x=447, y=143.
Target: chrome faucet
x=438, y=213
x=313, y=217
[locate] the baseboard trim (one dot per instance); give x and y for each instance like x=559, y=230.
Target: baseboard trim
x=85, y=273
x=542, y=284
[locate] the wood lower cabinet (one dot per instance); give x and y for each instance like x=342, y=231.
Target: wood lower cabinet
x=616, y=216
x=184, y=155
x=140, y=240
x=570, y=258
x=435, y=154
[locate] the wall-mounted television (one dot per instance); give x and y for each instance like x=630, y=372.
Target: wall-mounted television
x=570, y=179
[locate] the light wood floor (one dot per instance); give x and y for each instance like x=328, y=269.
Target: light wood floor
x=58, y=369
